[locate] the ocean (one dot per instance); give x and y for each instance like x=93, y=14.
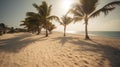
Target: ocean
x=112, y=34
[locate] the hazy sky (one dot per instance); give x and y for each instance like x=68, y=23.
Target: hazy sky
x=13, y=11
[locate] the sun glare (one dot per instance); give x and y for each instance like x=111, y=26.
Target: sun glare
x=66, y=4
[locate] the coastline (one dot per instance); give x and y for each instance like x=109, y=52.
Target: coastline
x=108, y=34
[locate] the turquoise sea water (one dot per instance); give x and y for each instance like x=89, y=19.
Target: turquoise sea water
x=113, y=34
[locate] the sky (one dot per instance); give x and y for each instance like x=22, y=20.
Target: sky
x=13, y=11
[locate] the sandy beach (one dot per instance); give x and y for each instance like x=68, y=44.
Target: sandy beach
x=30, y=50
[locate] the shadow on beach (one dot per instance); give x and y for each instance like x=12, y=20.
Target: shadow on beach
x=107, y=51
x=16, y=43
x=63, y=40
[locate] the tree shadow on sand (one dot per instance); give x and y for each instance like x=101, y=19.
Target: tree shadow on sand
x=17, y=43
x=107, y=51
x=63, y=40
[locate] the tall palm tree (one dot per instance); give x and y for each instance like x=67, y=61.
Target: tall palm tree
x=65, y=20
x=44, y=11
x=87, y=9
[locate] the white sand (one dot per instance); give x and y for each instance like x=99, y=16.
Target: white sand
x=28, y=50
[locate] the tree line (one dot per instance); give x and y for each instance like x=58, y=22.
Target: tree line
x=4, y=29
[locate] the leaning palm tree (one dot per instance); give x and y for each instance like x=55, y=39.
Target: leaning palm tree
x=35, y=19
x=28, y=26
x=87, y=9
x=44, y=11
x=32, y=22
x=65, y=20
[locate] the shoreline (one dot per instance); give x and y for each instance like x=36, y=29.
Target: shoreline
x=94, y=34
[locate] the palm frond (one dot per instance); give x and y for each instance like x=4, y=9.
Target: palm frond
x=61, y=23
x=53, y=18
x=77, y=12
x=66, y=20
x=106, y=9
x=76, y=19
x=36, y=6
x=88, y=6
x=22, y=21
x=42, y=11
x=79, y=9
x=112, y=4
x=51, y=27
x=63, y=18
x=45, y=7
x=22, y=24
x=31, y=14
x=49, y=10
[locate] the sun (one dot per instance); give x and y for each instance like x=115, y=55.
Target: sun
x=66, y=4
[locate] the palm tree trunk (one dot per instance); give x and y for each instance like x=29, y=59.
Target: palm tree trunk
x=38, y=31
x=46, y=33
x=46, y=30
x=50, y=32
x=64, y=31
x=86, y=28
x=0, y=32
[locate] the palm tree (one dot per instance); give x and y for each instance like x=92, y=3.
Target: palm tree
x=51, y=27
x=2, y=28
x=35, y=19
x=44, y=12
x=28, y=25
x=65, y=20
x=87, y=9
x=31, y=24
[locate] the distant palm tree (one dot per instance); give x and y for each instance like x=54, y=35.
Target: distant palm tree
x=65, y=20
x=2, y=28
x=51, y=27
x=87, y=9
x=44, y=11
